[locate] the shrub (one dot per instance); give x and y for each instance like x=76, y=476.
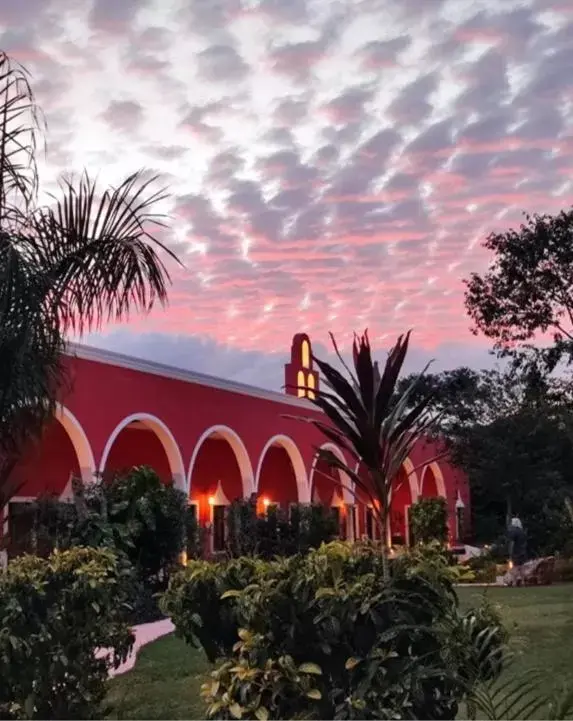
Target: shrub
x=435, y=562
x=429, y=520
x=277, y=533
x=147, y=516
x=322, y=636
x=195, y=605
x=55, y=613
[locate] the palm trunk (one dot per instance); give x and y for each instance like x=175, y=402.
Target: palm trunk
x=385, y=550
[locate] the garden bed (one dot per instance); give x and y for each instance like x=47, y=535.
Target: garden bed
x=167, y=678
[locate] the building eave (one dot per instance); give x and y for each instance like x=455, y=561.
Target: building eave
x=120, y=360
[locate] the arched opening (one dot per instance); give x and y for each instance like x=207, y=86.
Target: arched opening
x=366, y=524
x=305, y=354
x=281, y=476
x=220, y=472
x=433, y=482
x=47, y=467
x=311, y=393
x=332, y=488
x=300, y=382
x=143, y=440
x=402, y=499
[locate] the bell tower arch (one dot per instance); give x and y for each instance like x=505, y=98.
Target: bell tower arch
x=300, y=377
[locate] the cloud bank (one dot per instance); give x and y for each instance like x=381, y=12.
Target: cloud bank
x=332, y=165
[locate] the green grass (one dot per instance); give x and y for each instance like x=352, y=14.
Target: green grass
x=540, y=620
x=164, y=684
x=166, y=680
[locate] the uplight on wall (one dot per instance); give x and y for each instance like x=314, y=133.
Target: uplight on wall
x=211, y=500
x=266, y=502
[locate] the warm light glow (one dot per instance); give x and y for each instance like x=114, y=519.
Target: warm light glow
x=305, y=354
x=301, y=384
x=510, y=565
x=266, y=502
x=311, y=393
x=211, y=500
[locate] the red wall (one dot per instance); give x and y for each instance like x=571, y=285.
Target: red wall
x=48, y=465
x=401, y=497
x=138, y=447
x=277, y=480
x=215, y=462
x=188, y=410
x=324, y=483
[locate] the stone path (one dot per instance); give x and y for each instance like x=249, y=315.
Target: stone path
x=144, y=634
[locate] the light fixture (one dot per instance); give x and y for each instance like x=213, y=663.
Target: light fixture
x=459, y=503
x=211, y=500
x=266, y=502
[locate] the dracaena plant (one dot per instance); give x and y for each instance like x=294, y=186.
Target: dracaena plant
x=366, y=417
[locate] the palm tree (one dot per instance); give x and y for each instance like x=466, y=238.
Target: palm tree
x=371, y=422
x=88, y=257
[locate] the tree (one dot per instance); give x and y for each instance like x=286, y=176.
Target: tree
x=365, y=419
x=527, y=291
x=513, y=438
x=89, y=257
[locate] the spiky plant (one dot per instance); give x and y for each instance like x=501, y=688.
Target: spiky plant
x=88, y=257
x=366, y=418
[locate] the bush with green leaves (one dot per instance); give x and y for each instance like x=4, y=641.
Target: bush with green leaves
x=429, y=520
x=147, y=519
x=434, y=561
x=277, y=533
x=55, y=613
x=323, y=635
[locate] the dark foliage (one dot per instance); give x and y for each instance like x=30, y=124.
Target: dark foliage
x=527, y=290
x=365, y=418
x=324, y=636
x=55, y=613
x=277, y=532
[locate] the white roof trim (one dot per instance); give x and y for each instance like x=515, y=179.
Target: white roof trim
x=99, y=355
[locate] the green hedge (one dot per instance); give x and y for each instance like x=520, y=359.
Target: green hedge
x=55, y=613
x=322, y=636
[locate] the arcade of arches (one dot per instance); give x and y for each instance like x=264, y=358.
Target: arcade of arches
x=220, y=471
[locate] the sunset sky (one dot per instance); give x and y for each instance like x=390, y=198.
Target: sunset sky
x=332, y=164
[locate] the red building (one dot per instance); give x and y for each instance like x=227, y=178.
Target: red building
x=215, y=439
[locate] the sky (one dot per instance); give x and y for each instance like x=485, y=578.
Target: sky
x=332, y=165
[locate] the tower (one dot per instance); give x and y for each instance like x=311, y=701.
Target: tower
x=300, y=378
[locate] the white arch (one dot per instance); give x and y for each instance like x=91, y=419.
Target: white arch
x=166, y=438
x=241, y=455
x=295, y=456
x=412, y=479
x=347, y=485
x=81, y=444
x=438, y=477
x=410, y=473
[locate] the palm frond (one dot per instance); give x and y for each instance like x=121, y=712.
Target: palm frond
x=99, y=253
x=20, y=123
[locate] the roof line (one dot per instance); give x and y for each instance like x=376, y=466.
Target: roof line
x=142, y=365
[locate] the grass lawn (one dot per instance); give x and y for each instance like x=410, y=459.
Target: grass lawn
x=167, y=677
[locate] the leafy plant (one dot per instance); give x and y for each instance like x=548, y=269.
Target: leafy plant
x=277, y=533
x=429, y=520
x=433, y=561
x=55, y=613
x=370, y=422
x=322, y=635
